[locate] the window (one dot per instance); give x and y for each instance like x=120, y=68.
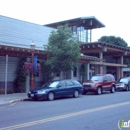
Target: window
x=124, y=80
x=105, y=78
x=109, y=78
x=82, y=34
x=69, y=83
x=62, y=84
x=75, y=82
x=96, y=78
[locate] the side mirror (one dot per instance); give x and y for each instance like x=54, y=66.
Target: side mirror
x=58, y=86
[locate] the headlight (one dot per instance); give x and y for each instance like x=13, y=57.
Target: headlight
x=93, y=85
x=29, y=92
x=41, y=92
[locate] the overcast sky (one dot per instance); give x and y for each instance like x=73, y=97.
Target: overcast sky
x=113, y=13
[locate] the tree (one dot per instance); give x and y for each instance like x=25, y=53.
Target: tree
x=20, y=80
x=63, y=50
x=113, y=40
x=47, y=74
x=116, y=41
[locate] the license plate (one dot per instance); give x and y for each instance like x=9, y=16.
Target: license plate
x=32, y=95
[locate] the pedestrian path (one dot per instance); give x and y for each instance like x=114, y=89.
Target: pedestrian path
x=6, y=99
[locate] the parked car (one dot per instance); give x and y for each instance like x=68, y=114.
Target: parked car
x=123, y=84
x=57, y=88
x=100, y=83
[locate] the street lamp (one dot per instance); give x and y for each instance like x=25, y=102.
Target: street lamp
x=32, y=46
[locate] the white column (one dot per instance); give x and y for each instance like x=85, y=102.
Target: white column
x=72, y=74
x=6, y=74
x=121, y=70
x=61, y=75
x=28, y=79
x=87, y=71
x=78, y=72
x=101, y=67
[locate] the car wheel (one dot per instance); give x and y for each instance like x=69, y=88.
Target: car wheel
x=51, y=96
x=99, y=90
x=76, y=94
x=127, y=88
x=112, y=89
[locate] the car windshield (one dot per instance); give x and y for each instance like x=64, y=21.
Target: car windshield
x=96, y=78
x=51, y=84
x=123, y=80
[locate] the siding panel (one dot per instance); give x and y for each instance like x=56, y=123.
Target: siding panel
x=12, y=66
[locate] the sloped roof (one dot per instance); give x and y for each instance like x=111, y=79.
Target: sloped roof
x=86, y=22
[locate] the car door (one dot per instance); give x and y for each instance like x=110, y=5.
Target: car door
x=69, y=87
x=61, y=89
x=106, y=83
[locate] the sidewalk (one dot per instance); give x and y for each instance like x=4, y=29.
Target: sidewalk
x=7, y=99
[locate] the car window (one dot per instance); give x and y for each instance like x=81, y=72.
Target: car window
x=112, y=77
x=51, y=84
x=105, y=78
x=96, y=78
x=75, y=82
x=69, y=83
x=62, y=84
x=54, y=84
x=124, y=80
x=109, y=78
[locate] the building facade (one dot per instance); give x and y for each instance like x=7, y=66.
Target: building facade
x=16, y=37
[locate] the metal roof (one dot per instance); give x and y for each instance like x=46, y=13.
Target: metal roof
x=86, y=22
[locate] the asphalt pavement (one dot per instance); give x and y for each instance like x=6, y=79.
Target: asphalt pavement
x=7, y=99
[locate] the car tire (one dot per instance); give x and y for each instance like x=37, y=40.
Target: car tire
x=76, y=94
x=127, y=88
x=51, y=96
x=113, y=89
x=99, y=90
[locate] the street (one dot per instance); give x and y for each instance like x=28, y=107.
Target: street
x=88, y=112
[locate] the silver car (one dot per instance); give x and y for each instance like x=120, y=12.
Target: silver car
x=123, y=84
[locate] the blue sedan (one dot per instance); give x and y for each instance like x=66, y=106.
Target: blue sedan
x=57, y=88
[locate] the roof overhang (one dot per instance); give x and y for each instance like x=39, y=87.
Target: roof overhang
x=86, y=22
x=108, y=49
x=20, y=52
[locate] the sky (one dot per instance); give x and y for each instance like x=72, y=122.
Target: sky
x=114, y=14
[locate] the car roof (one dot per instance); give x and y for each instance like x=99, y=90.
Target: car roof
x=103, y=74
x=124, y=77
x=62, y=79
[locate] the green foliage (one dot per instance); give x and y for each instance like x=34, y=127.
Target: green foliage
x=113, y=40
x=63, y=50
x=127, y=62
x=21, y=77
x=116, y=41
x=47, y=73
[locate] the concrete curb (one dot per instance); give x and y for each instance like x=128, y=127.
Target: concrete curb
x=11, y=102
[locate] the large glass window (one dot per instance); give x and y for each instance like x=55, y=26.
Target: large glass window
x=83, y=34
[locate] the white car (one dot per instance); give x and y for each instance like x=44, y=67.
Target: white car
x=123, y=84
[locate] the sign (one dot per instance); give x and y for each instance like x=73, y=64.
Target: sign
x=35, y=64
